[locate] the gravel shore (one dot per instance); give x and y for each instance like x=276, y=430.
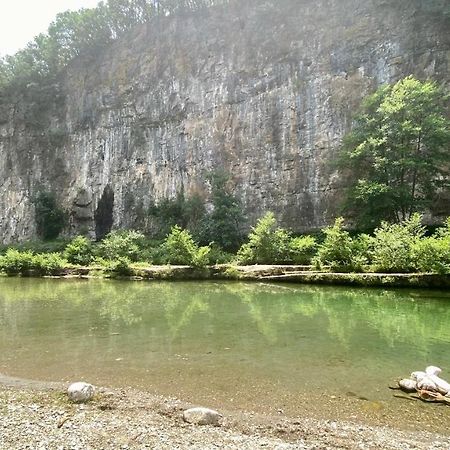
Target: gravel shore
x=37, y=418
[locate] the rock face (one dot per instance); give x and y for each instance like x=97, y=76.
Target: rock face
x=80, y=392
x=263, y=91
x=202, y=416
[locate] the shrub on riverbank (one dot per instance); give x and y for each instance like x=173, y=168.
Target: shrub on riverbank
x=79, y=251
x=118, y=267
x=393, y=244
x=15, y=262
x=340, y=251
x=269, y=244
x=48, y=263
x=180, y=248
x=121, y=244
x=401, y=248
x=432, y=254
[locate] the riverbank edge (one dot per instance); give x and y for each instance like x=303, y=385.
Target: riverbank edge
x=40, y=413
x=266, y=273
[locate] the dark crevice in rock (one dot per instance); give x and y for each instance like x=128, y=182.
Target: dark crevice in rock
x=104, y=213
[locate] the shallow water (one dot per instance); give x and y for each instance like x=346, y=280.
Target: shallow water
x=261, y=347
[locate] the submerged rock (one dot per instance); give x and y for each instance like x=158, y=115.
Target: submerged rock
x=202, y=416
x=80, y=392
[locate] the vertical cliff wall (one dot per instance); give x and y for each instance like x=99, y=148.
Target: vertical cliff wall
x=264, y=91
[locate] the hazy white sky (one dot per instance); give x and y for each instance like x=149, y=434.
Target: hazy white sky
x=21, y=20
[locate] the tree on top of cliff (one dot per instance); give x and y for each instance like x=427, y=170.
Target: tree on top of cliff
x=85, y=31
x=397, y=152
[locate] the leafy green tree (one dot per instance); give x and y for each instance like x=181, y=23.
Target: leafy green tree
x=50, y=217
x=4, y=74
x=397, y=152
x=185, y=212
x=223, y=224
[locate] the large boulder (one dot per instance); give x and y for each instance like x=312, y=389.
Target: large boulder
x=202, y=416
x=80, y=392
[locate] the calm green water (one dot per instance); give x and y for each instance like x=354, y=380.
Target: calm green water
x=252, y=346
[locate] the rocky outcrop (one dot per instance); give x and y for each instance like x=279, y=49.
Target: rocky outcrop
x=264, y=91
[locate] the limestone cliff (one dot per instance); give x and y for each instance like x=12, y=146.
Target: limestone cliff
x=264, y=92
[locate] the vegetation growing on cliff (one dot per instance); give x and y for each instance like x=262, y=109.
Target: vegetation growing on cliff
x=397, y=152
x=85, y=32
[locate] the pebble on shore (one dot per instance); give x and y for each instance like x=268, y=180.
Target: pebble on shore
x=80, y=392
x=202, y=416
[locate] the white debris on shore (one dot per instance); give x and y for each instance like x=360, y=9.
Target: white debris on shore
x=428, y=385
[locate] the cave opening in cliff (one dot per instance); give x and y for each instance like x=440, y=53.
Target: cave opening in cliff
x=104, y=214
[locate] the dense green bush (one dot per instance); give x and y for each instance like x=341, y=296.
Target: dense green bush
x=180, y=248
x=432, y=254
x=271, y=245
x=221, y=224
x=340, y=251
x=401, y=247
x=122, y=244
x=267, y=244
x=79, y=251
x=15, y=262
x=392, y=245
x=120, y=266
x=219, y=256
x=302, y=249
x=48, y=263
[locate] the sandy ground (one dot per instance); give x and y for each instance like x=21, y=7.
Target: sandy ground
x=41, y=417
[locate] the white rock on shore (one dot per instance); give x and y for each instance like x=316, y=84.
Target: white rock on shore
x=202, y=416
x=407, y=385
x=80, y=392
